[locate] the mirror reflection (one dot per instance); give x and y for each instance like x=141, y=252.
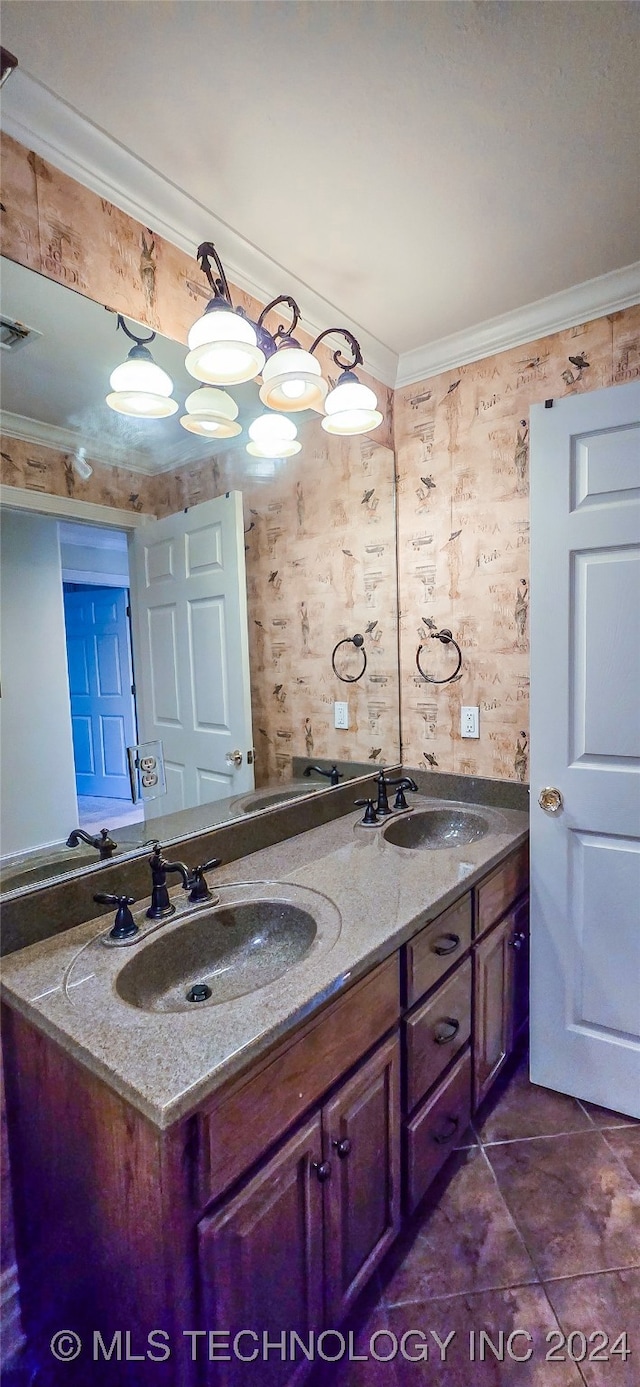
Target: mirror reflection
x=176, y=596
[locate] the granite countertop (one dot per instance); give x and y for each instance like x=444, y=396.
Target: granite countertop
x=368, y=896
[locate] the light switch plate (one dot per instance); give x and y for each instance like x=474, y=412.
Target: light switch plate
x=469, y=722
x=341, y=716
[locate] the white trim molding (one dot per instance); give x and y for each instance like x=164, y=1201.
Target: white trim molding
x=68, y=508
x=607, y=293
x=189, y=453
x=34, y=116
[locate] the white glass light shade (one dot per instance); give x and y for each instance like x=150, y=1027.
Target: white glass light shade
x=223, y=349
x=273, y=436
x=351, y=407
x=211, y=413
x=142, y=389
x=292, y=380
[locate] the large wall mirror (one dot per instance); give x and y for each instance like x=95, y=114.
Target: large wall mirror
x=99, y=655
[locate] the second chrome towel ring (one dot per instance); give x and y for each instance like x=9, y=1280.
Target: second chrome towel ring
x=447, y=639
x=358, y=641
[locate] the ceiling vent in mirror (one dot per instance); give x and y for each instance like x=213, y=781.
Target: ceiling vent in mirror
x=14, y=335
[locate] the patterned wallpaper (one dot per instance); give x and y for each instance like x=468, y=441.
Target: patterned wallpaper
x=36, y=467
x=462, y=446
x=320, y=554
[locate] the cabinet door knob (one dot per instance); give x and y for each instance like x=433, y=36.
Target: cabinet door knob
x=449, y=1133
x=343, y=1147
x=323, y=1170
x=550, y=800
x=518, y=940
x=445, y=1032
x=443, y=948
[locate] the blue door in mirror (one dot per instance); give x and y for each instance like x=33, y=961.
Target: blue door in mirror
x=100, y=684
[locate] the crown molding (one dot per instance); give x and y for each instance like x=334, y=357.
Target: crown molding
x=34, y=116
x=68, y=440
x=593, y=299
x=109, y=454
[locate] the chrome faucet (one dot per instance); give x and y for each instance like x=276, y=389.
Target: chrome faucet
x=102, y=841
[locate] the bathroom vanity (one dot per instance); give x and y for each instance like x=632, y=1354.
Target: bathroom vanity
x=246, y=1164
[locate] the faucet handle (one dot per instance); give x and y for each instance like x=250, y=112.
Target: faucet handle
x=370, y=816
x=124, y=925
x=198, y=882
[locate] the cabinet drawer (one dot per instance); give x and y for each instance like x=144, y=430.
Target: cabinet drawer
x=436, y=948
x=433, y=1133
x=495, y=895
x=243, y=1122
x=435, y=1033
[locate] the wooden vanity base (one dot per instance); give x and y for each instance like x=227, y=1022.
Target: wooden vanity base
x=269, y=1207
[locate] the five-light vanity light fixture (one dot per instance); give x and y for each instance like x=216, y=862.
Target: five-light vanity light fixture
x=227, y=348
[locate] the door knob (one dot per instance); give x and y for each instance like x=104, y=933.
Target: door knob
x=234, y=758
x=343, y=1147
x=550, y=800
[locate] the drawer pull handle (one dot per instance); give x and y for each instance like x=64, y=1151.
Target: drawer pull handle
x=442, y=1137
x=343, y=1147
x=444, y=949
x=446, y=1031
x=323, y=1170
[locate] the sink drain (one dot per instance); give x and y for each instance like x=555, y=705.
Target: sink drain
x=199, y=992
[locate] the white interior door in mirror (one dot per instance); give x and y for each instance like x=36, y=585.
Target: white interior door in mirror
x=191, y=651
x=585, y=743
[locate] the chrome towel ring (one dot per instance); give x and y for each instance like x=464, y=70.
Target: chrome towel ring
x=447, y=639
x=358, y=641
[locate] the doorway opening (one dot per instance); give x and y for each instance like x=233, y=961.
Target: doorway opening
x=95, y=577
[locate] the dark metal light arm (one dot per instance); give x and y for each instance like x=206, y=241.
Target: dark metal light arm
x=281, y=331
x=139, y=341
x=268, y=340
x=205, y=254
x=353, y=343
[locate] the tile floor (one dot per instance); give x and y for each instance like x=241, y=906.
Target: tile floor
x=537, y=1230
x=95, y=813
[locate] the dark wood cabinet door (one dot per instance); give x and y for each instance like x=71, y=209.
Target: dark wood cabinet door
x=261, y=1265
x=362, y=1141
x=494, y=992
x=520, y=968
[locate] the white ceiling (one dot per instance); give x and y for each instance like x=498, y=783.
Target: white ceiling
x=423, y=167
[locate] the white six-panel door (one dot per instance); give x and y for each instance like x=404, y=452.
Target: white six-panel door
x=585, y=742
x=191, y=650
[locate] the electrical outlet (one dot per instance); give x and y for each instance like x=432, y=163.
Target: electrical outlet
x=469, y=722
x=341, y=716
